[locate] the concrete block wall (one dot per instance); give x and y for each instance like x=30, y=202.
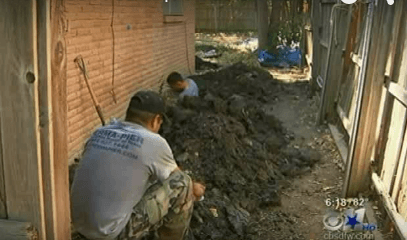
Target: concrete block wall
x=127, y=46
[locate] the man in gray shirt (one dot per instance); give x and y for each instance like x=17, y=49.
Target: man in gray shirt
x=128, y=182
x=185, y=87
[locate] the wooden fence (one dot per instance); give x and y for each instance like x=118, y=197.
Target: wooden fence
x=225, y=16
x=34, y=196
x=360, y=58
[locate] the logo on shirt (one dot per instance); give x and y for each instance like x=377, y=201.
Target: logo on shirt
x=116, y=142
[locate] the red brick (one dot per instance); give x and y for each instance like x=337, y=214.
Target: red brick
x=143, y=56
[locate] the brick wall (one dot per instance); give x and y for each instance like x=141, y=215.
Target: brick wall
x=142, y=47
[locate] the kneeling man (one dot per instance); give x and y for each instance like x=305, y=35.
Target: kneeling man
x=128, y=182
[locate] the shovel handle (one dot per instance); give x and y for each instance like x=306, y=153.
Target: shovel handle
x=100, y=113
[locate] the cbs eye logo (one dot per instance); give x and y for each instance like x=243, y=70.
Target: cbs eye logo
x=390, y=2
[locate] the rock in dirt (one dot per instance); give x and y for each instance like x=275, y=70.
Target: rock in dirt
x=239, y=218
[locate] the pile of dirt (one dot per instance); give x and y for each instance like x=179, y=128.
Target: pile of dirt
x=201, y=64
x=228, y=139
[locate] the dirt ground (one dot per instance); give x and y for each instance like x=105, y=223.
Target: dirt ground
x=304, y=196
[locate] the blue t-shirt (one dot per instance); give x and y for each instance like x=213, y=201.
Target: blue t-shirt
x=191, y=90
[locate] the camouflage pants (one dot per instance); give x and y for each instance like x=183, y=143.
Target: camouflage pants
x=166, y=209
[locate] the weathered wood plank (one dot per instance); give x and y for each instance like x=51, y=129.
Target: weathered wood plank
x=394, y=40
x=340, y=143
x=393, y=147
x=347, y=124
x=392, y=162
x=3, y=210
x=19, y=113
x=59, y=120
x=3, y=206
x=12, y=230
x=315, y=21
x=3, y=200
x=334, y=73
x=400, y=170
x=402, y=195
x=45, y=108
x=359, y=167
x=398, y=92
x=393, y=60
x=400, y=223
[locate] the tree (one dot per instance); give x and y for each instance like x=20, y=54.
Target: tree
x=262, y=23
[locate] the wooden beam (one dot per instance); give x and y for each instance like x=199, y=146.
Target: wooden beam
x=340, y=143
x=402, y=194
x=347, y=124
x=400, y=223
x=56, y=217
x=19, y=113
x=12, y=230
x=398, y=92
x=3, y=200
x=400, y=171
x=59, y=120
x=395, y=35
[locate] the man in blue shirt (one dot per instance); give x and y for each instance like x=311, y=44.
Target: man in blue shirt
x=185, y=87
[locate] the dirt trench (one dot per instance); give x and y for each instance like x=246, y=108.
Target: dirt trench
x=252, y=140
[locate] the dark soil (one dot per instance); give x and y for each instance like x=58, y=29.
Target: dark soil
x=228, y=139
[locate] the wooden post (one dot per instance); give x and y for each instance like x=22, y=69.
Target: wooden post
x=54, y=162
x=315, y=23
x=45, y=112
x=20, y=138
x=3, y=206
x=11, y=230
x=59, y=121
x=359, y=163
x=262, y=23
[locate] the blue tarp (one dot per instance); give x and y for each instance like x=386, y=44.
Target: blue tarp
x=285, y=57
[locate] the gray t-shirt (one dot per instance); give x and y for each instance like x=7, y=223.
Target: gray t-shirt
x=120, y=162
x=191, y=90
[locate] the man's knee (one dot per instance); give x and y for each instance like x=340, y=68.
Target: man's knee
x=181, y=184
x=180, y=180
